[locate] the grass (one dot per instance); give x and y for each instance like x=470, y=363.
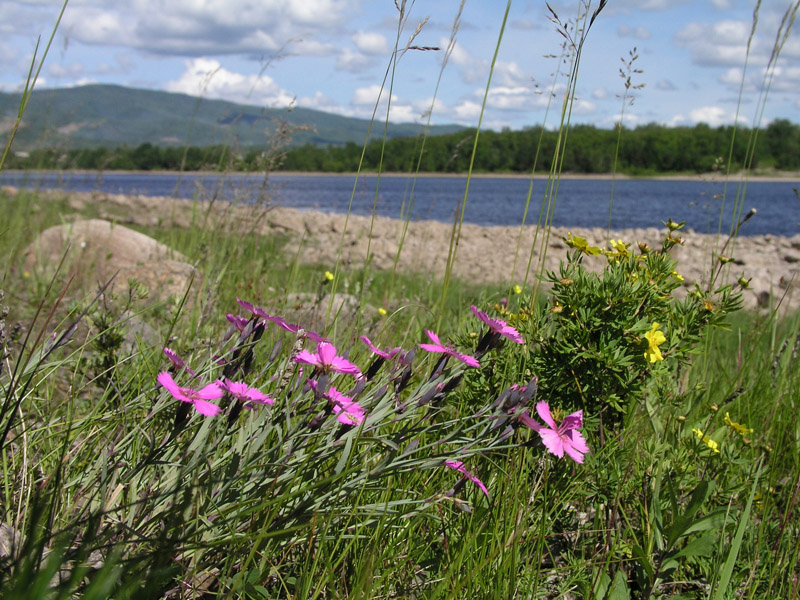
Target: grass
x=112, y=487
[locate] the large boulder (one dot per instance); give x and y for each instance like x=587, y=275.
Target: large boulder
x=96, y=250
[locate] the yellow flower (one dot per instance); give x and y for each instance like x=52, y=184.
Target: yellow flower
x=673, y=226
x=677, y=275
x=26, y=274
x=739, y=428
x=582, y=244
x=328, y=276
x=620, y=247
x=714, y=446
x=382, y=311
x=517, y=289
x=654, y=339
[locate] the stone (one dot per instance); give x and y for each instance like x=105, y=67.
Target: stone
x=96, y=250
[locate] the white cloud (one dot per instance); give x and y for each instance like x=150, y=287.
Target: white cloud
x=472, y=70
x=207, y=78
x=526, y=24
x=349, y=60
x=205, y=27
x=371, y=43
x=401, y=111
x=367, y=96
x=665, y=85
x=718, y=44
x=600, y=94
x=423, y=107
x=732, y=77
x=509, y=73
x=583, y=107
x=61, y=70
x=467, y=112
x=639, y=33
x=712, y=115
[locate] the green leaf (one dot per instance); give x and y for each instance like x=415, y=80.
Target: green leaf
x=343, y=459
x=712, y=520
x=602, y=582
x=736, y=544
x=619, y=589
x=700, y=546
x=685, y=524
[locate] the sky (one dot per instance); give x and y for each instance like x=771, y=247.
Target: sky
x=691, y=63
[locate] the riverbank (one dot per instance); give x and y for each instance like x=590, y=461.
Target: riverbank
x=765, y=176
x=497, y=254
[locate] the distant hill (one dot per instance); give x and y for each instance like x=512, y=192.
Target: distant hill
x=110, y=115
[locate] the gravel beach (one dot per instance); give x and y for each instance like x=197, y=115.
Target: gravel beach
x=485, y=254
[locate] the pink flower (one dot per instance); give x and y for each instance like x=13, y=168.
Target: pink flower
x=279, y=321
x=347, y=410
x=198, y=398
x=256, y=310
x=326, y=360
x=438, y=347
x=561, y=438
x=241, y=391
x=498, y=326
x=239, y=322
x=457, y=465
x=384, y=354
x=177, y=360
x=292, y=328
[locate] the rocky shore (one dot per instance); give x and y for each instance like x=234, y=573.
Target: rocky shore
x=484, y=254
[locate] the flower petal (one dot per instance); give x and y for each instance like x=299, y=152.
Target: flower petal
x=326, y=353
x=210, y=392
x=433, y=348
x=434, y=338
x=529, y=421
x=457, y=465
x=465, y=358
x=573, y=421
x=342, y=365
x=543, y=409
x=208, y=409
x=304, y=356
x=166, y=380
x=552, y=441
x=574, y=439
x=573, y=453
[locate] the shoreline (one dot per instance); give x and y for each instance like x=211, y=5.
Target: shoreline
x=486, y=255
x=778, y=176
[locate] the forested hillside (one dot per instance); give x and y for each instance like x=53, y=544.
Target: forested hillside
x=648, y=149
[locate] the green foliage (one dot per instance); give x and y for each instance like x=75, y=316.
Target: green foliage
x=589, y=343
x=647, y=149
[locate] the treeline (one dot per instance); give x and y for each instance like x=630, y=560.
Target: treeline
x=643, y=150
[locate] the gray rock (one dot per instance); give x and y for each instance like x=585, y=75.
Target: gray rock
x=96, y=250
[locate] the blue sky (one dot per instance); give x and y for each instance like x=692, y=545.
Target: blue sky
x=333, y=54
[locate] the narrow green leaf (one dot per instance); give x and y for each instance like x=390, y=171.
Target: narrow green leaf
x=619, y=589
x=736, y=544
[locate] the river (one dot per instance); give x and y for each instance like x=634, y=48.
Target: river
x=490, y=201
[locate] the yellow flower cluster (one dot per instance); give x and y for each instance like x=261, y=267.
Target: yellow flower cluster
x=714, y=446
x=620, y=250
x=739, y=428
x=654, y=338
x=582, y=244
